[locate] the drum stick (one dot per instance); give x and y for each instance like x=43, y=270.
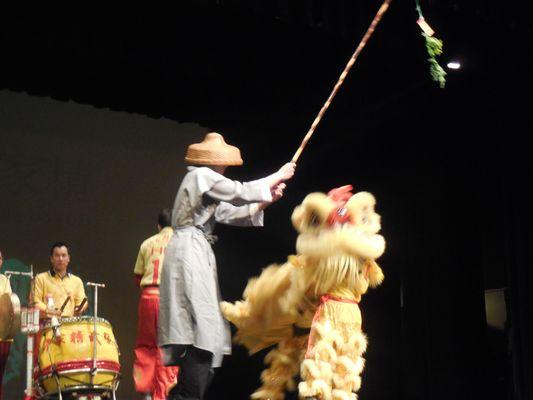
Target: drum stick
x=65, y=304
x=82, y=304
x=343, y=75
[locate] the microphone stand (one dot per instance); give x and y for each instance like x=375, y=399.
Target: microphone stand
x=94, y=369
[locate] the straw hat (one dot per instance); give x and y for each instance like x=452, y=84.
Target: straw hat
x=213, y=150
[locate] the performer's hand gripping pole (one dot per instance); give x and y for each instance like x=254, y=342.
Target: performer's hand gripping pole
x=95, y=340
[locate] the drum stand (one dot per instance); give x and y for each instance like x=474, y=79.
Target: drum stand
x=94, y=369
x=29, y=327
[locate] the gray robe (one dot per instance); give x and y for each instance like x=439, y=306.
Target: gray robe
x=189, y=311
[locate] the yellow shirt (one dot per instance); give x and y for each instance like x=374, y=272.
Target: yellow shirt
x=5, y=287
x=151, y=255
x=60, y=288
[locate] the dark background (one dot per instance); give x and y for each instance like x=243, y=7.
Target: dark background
x=449, y=167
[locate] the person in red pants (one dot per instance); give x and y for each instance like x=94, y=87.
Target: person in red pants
x=152, y=379
x=5, y=287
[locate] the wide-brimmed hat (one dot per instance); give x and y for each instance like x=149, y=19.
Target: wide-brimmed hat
x=213, y=150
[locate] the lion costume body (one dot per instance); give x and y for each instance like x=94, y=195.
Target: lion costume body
x=308, y=307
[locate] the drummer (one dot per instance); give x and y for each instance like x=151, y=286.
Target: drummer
x=59, y=284
x=4, y=344
x=150, y=376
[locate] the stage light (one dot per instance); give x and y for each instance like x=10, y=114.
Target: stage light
x=454, y=65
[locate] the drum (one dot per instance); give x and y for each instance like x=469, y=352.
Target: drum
x=9, y=316
x=66, y=358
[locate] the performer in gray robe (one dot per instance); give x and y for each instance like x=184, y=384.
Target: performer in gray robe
x=192, y=331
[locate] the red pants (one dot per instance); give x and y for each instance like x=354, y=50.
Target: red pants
x=149, y=373
x=4, y=354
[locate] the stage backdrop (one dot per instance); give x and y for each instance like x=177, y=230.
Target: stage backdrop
x=93, y=178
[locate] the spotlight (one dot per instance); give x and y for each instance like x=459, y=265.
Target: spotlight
x=454, y=65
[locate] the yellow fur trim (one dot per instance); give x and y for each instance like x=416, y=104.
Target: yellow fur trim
x=359, y=365
x=338, y=381
x=340, y=395
x=375, y=274
x=299, y=283
x=234, y=312
x=277, y=356
x=347, y=239
x=326, y=370
x=324, y=330
x=267, y=395
x=305, y=390
x=356, y=382
x=338, y=342
x=363, y=343
x=321, y=388
x=346, y=364
x=325, y=351
x=357, y=344
x=310, y=368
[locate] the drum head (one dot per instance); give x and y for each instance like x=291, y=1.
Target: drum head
x=84, y=319
x=9, y=316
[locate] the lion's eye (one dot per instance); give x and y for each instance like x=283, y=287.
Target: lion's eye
x=365, y=218
x=314, y=220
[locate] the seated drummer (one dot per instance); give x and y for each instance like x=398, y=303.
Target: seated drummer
x=59, y=284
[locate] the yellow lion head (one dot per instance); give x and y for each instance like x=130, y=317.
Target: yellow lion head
x=339, y=235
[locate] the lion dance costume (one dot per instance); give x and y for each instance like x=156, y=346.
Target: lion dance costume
x=308, y=307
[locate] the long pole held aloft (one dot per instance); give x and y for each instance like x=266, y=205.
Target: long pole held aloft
x=350, y=64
